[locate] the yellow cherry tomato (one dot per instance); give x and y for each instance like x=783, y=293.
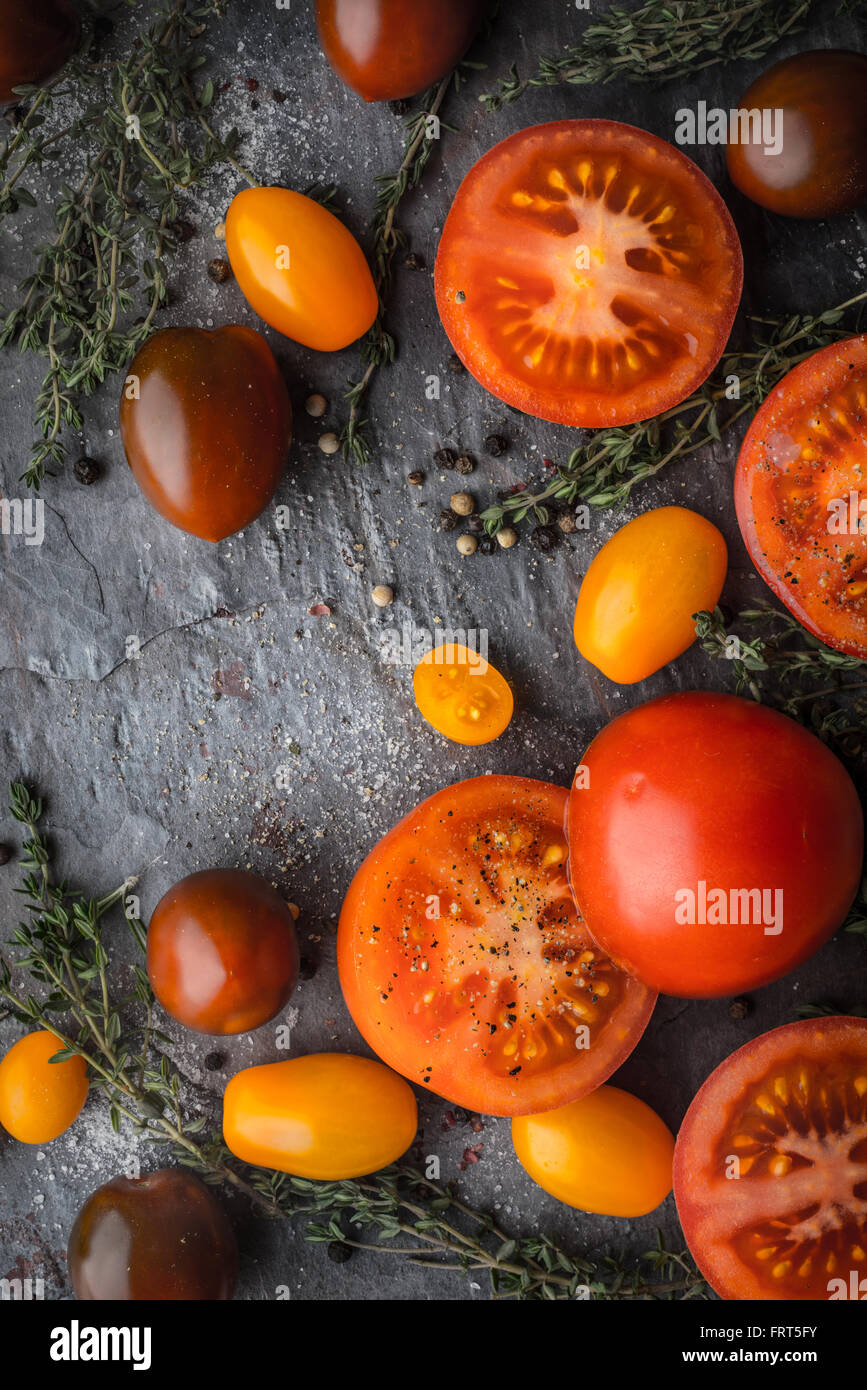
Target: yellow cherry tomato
x=39, y=1099
x=635, y=606
x=327, y=1116
x=300, y=268
x=461, y=695
x=607, y=1153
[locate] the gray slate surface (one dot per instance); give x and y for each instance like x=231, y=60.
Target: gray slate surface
x=169, y=759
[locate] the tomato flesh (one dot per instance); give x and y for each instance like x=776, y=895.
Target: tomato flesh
x=798, y=493
x=461, y=695
x=463, y=960
x=770, y=1169
x=588, y=273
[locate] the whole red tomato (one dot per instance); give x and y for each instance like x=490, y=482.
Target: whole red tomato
x=35, y=40
x=160, y=1237
x=386, y=49
x=714, y=843
x=222, y=951
x=206, y=423
x=820, y=165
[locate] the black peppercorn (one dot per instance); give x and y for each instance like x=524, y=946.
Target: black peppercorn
x=475, y=525
x=219, y=271
x=739, y=1008
x=338, y=1250
x=86, y=470
x=544, y=538
x=496, y=445
x=215, y=1061
x=416, y=478
x=465, y=464
x=414, y=262
x=277, y=95
x=455, y=364
x=447, y=521
x=181, y=229
x=445, y=458
x=566, y=522
x=487, y=545
x=5, y=854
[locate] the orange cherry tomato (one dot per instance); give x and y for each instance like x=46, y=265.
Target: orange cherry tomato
x=300, y=268
x=39, y=1099
x=461, y=695
x=222, y=951
x=635, y=606
x=206, y=425
x=329, y=1116
x=607, y=1153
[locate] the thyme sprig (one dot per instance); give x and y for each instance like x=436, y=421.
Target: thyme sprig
x=780, y=651
x=378, y=347
x=660, y=41
x=604, y=471
x=131, y=144
x=399, y=1212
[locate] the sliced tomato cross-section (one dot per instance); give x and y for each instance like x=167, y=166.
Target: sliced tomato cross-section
x=588, y=273
x=770, y=1167
x=801, y=493
x=463, y=960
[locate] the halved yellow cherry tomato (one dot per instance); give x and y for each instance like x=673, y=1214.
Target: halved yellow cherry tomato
x=461, y=695
x=328, y=1116
x=635, y=606
x=607, y=1153
x=39, y=1099
x=300, y=268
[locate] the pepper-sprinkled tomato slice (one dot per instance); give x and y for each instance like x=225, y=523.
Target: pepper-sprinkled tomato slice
x=798, y=493
x=770, y=1167
x=465, y=964
x=588, y=273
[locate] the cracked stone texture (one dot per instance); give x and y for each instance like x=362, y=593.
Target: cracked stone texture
x=169, y=759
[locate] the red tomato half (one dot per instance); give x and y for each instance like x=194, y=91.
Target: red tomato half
x=799, y=490
x=386, y=49
x=770, y=1167
x=714, y=843
x=588, y=273
x=465, y=965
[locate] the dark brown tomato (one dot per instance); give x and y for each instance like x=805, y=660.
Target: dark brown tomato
x=206, y=424
x=222, y=951
x=162, y=1237
x=821, y=169
x=35, y=40
x=387, y=49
